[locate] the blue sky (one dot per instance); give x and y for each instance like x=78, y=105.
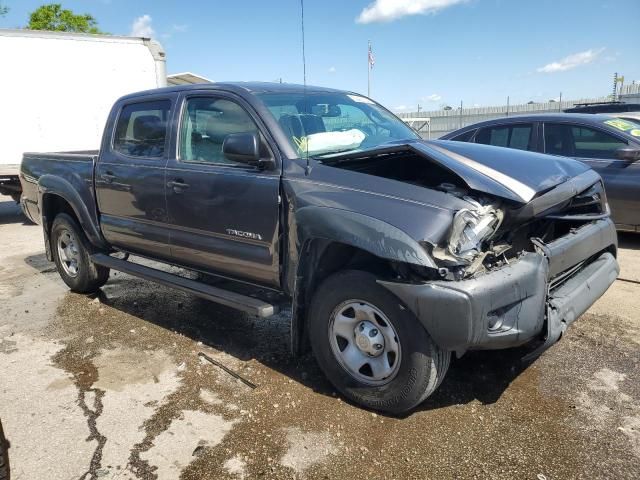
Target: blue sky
x=431, y=52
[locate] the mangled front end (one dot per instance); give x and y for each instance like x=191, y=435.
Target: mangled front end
x=468, y=244
x=527, y=248
x=511, y=274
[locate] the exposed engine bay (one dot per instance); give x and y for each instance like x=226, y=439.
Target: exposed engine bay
x=490, y=232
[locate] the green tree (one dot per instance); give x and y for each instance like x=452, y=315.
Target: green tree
x=53, y=17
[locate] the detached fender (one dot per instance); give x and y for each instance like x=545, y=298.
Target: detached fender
x=361, y=231
x=369, y=234
x=55, y=185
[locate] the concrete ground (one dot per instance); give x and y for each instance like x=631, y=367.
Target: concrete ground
x=112, y=387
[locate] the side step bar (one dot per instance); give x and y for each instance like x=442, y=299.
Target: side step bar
x=247, y=304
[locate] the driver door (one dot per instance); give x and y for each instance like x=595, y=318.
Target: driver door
x=223, y=215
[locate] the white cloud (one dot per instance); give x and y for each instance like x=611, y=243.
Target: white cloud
x=389, y=10
x=180, y=27
x=400, y=108
x=434, y=97
x=175, y=28
x=142, y=27
x=332, y=70
x=572, y=61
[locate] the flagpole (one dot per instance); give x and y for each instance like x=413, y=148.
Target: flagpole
x=369, y=70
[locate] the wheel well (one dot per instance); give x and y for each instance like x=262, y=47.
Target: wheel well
x=52, y=205
x=321, y=259
x=335, y=256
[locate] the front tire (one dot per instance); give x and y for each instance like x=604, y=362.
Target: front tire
x=4, y=456
x=370, y=346
x=71, y=253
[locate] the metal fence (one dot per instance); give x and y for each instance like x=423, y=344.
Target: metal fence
x=630, y=93
x=445, y=121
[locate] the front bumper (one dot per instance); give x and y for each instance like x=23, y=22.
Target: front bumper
x=539, y=293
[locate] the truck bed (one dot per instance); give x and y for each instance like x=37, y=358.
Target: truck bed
x=75, y=169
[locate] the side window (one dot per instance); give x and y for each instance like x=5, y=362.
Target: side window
x=206, y=123
x=591, y=143
x=558, y=139
x=579, y=141
x=520, y=137
x=513, y=136
x=496, y=136
x=141, y=130
x=464, y=137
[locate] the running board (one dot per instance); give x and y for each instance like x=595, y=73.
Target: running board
x=247, y=304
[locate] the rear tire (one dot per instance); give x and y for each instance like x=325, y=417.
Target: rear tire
x=352, y=321
x=71, y=253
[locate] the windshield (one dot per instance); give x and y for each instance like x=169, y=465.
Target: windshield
x=628, y=126
x=319, y=124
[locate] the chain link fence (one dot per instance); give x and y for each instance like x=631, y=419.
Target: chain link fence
x=445, y=121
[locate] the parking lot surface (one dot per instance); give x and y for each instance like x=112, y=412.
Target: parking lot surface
x=112, y=386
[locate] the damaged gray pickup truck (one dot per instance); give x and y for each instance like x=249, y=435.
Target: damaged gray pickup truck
x=393, y=252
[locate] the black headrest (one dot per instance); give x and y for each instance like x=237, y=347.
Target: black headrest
x=147, y=127
x=312, y=123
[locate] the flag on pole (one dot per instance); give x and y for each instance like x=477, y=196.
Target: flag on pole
x=372, y=60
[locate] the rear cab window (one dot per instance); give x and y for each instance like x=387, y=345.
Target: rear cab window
x=141, y=129
x=519, y=136
x=464, y=137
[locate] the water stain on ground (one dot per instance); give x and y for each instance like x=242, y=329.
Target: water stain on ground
x=493, y=417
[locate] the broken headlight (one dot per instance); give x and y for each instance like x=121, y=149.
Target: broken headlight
x=470, y=229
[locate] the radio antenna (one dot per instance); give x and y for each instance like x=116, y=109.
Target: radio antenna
x=304, y=80
x=304, y=59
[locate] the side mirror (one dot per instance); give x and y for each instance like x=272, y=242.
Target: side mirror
x=242, y=147
x=630, y=154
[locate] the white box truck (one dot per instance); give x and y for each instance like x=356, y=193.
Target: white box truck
x=56, y=90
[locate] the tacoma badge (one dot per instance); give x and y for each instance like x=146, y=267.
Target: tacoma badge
x=238, y=233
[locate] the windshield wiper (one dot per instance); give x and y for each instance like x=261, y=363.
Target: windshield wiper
x=334, y=152
x=387, y=148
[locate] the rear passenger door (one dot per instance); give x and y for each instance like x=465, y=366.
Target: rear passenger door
x=223, y=215
x=521, y=136
x=129, y=178
x=597, y=148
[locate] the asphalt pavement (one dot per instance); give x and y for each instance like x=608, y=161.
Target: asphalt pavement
x=111, y=386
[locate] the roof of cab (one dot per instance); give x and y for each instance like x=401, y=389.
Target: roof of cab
x=238, y=87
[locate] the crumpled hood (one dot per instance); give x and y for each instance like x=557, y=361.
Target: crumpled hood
x=509, y=173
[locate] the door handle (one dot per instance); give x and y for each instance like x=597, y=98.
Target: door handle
x=178, y=185
x=108, y=177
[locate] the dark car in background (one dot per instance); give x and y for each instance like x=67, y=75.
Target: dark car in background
x=609, y=145
x=603, y=107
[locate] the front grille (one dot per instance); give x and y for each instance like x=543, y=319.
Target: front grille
x=562, y=277
x=587, y=206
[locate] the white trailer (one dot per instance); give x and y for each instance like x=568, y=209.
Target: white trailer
x=56, y=90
